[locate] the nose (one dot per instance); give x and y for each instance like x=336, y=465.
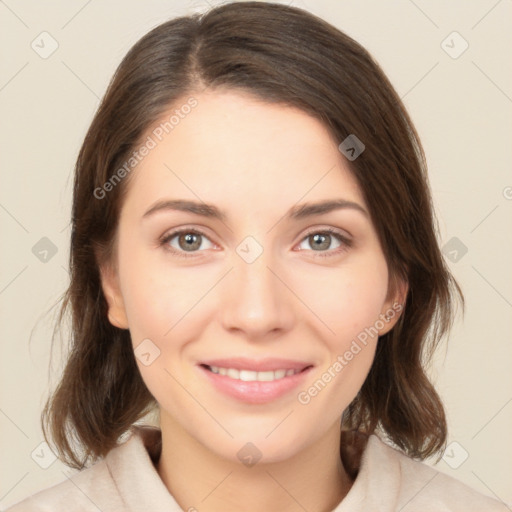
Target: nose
x=256, y=300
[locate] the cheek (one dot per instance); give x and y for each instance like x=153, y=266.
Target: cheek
x=347, y=299
x=156, y=301
x=156, y=293
x=344, y=299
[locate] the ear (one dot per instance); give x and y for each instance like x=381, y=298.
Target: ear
x=394, y=305
x=111, y=289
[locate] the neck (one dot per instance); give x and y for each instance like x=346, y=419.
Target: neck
x=314, y=479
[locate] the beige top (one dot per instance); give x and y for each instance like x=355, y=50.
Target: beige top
x=126, y=480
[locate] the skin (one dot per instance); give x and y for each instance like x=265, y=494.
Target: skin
x=255, y=161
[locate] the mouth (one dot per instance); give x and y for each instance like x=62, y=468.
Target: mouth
x=253, y=376
x=255, y=382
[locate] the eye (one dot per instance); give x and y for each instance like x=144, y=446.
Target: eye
x=322, y=239
x=187, y=241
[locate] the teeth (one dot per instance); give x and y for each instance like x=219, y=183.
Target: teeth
x=279, y=374
x=250, y=376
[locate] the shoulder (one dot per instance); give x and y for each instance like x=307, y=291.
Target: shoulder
x=91, y=489
x=420, y=487
x=126, y=475
x=79, y=491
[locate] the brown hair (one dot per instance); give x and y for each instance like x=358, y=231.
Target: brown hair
x=288, y=56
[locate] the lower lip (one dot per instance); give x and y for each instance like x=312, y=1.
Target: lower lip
x=255, y=392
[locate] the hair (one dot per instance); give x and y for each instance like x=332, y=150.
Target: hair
x=282, y=55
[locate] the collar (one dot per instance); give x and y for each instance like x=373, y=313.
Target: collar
x=363, y=457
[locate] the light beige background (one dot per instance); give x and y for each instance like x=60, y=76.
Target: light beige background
x=461, y=106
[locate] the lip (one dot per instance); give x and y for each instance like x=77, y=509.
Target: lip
x=255, y=392
x=258, y=365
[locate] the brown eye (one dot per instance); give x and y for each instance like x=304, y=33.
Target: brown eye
x=320, y=241
x=184, y=241
x=189, y=241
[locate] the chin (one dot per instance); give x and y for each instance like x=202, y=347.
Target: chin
x=255, y=448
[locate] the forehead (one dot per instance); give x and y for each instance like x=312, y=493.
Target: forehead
x=237, y=149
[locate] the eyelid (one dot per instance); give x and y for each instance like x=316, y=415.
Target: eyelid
x=332, y=231
x=169, y=235
x=344, y=238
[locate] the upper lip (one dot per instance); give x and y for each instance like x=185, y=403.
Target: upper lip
x=257, y=365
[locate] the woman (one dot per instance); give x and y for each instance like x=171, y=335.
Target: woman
x=254, y=256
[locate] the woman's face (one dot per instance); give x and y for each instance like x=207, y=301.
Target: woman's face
x=254, y=282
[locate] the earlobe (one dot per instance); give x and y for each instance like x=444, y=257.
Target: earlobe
x=111, y=290
x=393, y=307
x=117, y=315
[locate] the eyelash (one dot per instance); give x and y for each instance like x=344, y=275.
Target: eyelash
x=346, y=242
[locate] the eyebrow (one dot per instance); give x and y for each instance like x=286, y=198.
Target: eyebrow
x=296, y=212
